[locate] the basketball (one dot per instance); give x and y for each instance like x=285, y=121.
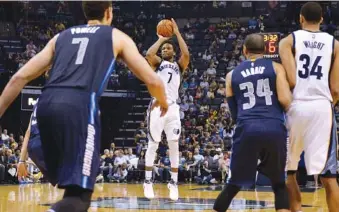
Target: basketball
x=165, y=28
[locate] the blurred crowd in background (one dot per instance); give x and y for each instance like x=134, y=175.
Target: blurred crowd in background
x=216, y=48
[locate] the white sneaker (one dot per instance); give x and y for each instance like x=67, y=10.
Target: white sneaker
x=173, y=188
x=99, y=178
x=148, y=189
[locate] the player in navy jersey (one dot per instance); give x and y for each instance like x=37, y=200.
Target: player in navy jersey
x=32, y=147
x=82, y=59
x=257, y=93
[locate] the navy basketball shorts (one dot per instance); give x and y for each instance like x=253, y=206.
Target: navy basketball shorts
x=36, y=154
x=69, y=125
x=258, y=145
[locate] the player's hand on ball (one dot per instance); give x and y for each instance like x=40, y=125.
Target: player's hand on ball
x=162, y=38
x=175, y=27
x=163, y=107
x=22, y=170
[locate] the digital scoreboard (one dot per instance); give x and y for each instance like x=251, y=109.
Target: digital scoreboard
x=272, y=45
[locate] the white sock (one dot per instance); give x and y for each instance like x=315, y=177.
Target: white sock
x=148, y=175
x=174, y=176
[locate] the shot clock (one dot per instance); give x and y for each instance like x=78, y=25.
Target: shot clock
x=272, y=45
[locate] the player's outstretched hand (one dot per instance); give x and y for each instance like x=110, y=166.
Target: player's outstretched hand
x=163, y=107
x=175, y=27
x=162, y=38
x=22, y=170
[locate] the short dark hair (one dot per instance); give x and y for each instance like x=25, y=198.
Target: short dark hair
x=171, y=42
x=255, y=43
x=312, y=12
x=95, y=10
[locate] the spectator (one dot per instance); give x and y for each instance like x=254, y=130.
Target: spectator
x=192, y=85
x=252, y=23
x=165, y=166
x=221, y=92
x=189, y=35
x=224, y=166
x=5, y=137
x=59, y=27
x=120, y=175
x=211, y=72
x=210, y=95
x=120, y=159
x=224, y=104
x=198, y=93
x=141, y=166
x=107, y=163
x=207, y=55
x=130, y=154
x=112, y=147
x=232, y=35
x=190, y=167
x=206, y=176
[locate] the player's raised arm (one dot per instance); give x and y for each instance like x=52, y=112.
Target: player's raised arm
x=283, y=88
x=287, y=59
x=185, y=55
x=125, y=48
x=151, y=55
x=231, y=101
x=31, y=70
x=334, y=76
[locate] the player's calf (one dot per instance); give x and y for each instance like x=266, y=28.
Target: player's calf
x=332, y=192
x=225, y=198
x=174, y=158
x=293, y=192
x=281, y=197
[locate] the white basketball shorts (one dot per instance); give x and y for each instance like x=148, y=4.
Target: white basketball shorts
x=312, y=129
x=170, y=123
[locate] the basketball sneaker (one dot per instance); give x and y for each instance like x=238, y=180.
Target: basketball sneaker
x=173, y=188
x=148, y=189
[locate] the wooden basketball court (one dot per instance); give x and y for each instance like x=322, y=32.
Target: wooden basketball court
x=129, y=197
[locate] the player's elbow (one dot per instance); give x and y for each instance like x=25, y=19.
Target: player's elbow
x=19, y=79
x=149, y=55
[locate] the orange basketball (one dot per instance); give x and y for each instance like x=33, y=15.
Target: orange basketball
x=165, y=28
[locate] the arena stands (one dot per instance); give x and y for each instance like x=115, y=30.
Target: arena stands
x=215, y=43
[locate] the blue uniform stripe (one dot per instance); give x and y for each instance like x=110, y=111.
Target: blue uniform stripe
x=84, y=181
x=93, y=109
x=108, y=74
x=293, y=40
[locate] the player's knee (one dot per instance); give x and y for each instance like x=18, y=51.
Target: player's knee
x=151, y=153
x=174, y=153
x=329, y=183
x=281, y=196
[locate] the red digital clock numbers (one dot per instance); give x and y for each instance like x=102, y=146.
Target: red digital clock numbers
x=272, y=45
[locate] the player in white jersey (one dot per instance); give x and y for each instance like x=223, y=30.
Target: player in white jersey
x=169, y=71
x=313, y=74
